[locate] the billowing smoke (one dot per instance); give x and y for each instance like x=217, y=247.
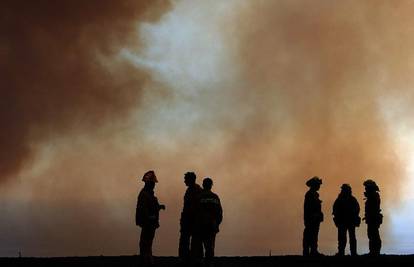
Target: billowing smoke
x=317, y=77
x=62, y=80
x=287, y=90
x=259, y=95
x=60, y=72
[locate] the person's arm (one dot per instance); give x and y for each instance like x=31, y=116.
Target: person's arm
x=379, y=204
x=142, y=213
x=335, y=208
x=160, y=206
x=219, y=212
x=358, y=209
x=137, y=212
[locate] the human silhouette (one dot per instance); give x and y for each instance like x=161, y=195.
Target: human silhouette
x=188, y=214
x=147, y=217
x=346, y=217
x=373, y=217
x=208, y=218
x=313, y=217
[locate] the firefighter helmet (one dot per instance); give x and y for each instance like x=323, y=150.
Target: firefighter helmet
x=150, y=176
x=314, y=181
x=371, y=184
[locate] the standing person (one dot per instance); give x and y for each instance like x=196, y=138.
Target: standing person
x=346, y=218
x=313, y=217
x=208, y=218
x=373, y=217
x=147, y=217
x=191, y=197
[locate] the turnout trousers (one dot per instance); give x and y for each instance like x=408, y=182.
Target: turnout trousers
x=207, y=241
x=145, y=245
x=374, y=239
x=342, y=231
x=185, y=244
x=310, y=239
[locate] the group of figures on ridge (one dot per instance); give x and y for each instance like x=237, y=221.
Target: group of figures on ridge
x=201, y=217
x=346, y=217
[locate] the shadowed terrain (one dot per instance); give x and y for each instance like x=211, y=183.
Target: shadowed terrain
x=385, y=260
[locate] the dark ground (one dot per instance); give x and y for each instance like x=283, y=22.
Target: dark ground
x=291, y=261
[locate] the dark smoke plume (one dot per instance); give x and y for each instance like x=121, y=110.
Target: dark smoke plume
x=59, y=70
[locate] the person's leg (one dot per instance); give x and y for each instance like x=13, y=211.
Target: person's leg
x=145, y=245
x=376, y=240
x=341, y=240
x=306, y=241
x=379, y=244
x=184, y=245
x=314, y=239
x=371, y=237
x=196, y=253
x=352, y=240
x=209, y=244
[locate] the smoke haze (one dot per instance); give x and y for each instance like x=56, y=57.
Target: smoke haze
x=259, y=95
x=60, y=71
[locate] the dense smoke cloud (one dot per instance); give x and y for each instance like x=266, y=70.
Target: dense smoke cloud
x=59, y=70
x=315, y=73
x=303, y=92
x=259, y=95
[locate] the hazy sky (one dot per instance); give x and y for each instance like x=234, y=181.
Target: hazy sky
x=259, y=95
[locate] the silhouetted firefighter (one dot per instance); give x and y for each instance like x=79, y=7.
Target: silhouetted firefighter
x=188, y=214
x=208, y=218
x=147, y=217
x=346, y=218
x=313, y=217
x=373, y=216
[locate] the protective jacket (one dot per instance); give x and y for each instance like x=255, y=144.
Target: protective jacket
x=346, y=211
x=209, y=212
x=148, y=208
x=188, y=214
x=372, y=208
x=312, y=208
